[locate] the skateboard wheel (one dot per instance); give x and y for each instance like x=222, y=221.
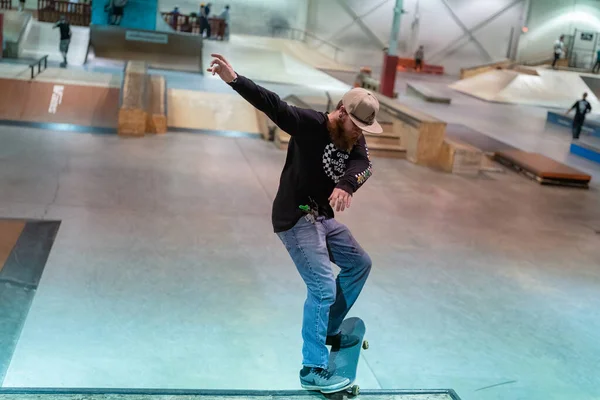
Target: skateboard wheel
x=365, y=345
x=355, y=390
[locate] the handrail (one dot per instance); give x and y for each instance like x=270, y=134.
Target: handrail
x=38, y=64
x=309, y=34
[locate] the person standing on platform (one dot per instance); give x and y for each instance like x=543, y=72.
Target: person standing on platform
x=65, y=37
x=582, y=107
x=116, y=11
x=227, y=18
x=596, y=68
x=327, y=162
x=21, y=5
x=559, y=49
x=419, y=56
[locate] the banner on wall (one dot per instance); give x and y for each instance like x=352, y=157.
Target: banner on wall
x=148, y=37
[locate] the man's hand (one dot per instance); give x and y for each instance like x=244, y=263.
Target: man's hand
x=221, y=66
x=340, y=200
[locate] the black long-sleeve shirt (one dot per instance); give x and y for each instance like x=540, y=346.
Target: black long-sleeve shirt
x=314, y=167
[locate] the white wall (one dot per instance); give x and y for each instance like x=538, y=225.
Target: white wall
x=548, y=19
x=250, y=17
x=435, y=29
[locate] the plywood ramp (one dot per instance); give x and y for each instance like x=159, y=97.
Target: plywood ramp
x=55, y=103
x=133, y=112
x=190, y=109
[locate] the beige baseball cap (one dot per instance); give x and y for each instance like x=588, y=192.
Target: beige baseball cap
x=362, y=107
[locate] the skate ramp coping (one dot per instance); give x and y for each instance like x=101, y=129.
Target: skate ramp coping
x=482, y=69
x=161, y=50
x=174, y=394
x=15, y=27
x=426, y=93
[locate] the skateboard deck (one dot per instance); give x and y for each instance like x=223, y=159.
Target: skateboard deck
x=344, y=362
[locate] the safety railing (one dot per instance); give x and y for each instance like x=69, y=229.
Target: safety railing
x=5, y=4
x=192, y=24
x=305, y=36
x=79, y=14
x=38, y=64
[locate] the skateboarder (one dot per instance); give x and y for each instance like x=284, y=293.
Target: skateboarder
x=327, y=162
x=65, y=37
x=582, y=107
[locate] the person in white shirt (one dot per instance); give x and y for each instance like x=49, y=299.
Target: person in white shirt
x=559, y=48
x=225, y=16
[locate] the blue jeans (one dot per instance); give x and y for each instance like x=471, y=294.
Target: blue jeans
x=313, y=246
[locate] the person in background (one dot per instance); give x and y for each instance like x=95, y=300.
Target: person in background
x=65, y=37
x=207, y=16
x=21, y=5
x=582, y=107
x=227, y=18
x=559, y=48
x=419, y=55
x=204, y=25
x=175, y=17
x=596, y=68
x=116, y=7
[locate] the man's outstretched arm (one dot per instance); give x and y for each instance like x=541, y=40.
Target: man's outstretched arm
x=287, y=117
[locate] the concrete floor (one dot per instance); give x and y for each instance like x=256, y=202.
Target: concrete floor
x=166, y=274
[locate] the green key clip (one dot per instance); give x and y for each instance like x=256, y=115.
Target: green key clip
x=309, y=215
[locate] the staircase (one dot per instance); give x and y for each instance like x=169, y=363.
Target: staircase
x=386, y=144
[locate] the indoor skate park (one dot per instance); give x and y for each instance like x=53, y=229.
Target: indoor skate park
x=137, y=255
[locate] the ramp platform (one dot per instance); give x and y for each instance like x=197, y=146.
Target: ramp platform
x=426, y=93
x=542, y=169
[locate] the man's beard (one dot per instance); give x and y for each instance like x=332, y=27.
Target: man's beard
x=338, y=137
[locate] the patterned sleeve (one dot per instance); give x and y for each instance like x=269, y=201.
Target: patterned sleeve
x=358, y=168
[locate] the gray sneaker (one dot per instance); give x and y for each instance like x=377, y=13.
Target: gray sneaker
x=322, y=380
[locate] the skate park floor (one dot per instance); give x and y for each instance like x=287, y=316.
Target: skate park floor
x=165, y=272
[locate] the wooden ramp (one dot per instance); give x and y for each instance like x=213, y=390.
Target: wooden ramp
x=542, y=169
x=50, y=103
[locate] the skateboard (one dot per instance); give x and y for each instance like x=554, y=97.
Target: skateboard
x=344, y=362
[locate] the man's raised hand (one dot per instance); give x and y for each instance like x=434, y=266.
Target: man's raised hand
x=219, y=65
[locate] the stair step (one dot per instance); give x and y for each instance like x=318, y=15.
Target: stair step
x=375, y=149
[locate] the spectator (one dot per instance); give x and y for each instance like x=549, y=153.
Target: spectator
x=116, y=11
x=596, y=68
x=226, y=17
x=21, y=5
x=419, y=55
x=175, y=17
x=204, y=23
x=559, y=48
x=582, y=107
x=65, y=37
